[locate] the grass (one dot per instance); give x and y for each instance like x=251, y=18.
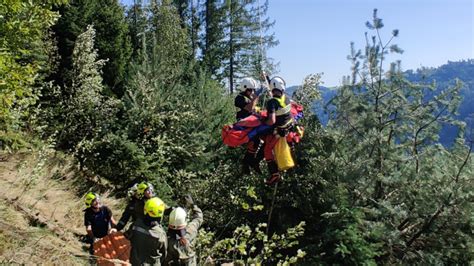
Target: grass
x=41, y=208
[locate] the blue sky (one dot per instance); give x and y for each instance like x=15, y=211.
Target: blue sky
x=315, y=35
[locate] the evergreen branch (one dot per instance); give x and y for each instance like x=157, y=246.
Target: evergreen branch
x=353, y=127
x=415, y=142
x=465, y=162
x=425, y=226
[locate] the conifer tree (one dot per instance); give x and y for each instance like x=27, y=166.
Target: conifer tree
x=188, y=11
x=213, y=45
x=247, y=40
x=87, y=112
x=169, y=49
x=236, y=39
x=113, y=42
x=390, y=160
x=137, y=24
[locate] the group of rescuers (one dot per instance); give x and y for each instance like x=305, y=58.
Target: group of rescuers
x=277, y=124
x=150, y=243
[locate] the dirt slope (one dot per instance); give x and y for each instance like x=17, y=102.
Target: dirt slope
x=41, y=209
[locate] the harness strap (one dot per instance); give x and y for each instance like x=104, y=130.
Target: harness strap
x=141, y=230
x=285, y=108
x=287, y=124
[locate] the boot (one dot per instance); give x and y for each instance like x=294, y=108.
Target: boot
x=257, y=157
x=256, y=166
x=274, y=173
x=250, y=161
x=245, y=168
x=246, y=163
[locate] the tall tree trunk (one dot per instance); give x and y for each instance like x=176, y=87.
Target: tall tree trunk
x=231, y=49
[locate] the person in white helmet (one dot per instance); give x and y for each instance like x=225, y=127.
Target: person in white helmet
x=182, y=235
x=279, y=117
x=246, y=101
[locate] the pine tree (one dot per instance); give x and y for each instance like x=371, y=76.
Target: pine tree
x=169, y=49
x=236, y=39
x=213, y=45
x=137, y=23
x=246, y=42
x=188, y=11
x=87, y=112
x=389, y=157
x=113, y=42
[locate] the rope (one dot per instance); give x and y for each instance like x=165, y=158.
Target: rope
x=271, y=208
x=262, y=54
x=262, y=57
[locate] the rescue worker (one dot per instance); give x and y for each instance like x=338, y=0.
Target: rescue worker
x=98, y=219
x=137, y=195
x=279, y=117
x=246, y=101
x=148, y=238
x=182, y=235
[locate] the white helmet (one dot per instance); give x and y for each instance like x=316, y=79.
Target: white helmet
x=248, y=83
x=132, y=192
x=177, y=219
x=277, y=83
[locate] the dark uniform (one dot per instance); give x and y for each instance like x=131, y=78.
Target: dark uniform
x=128, y=213
x=149, y=243
x=99, y=223
x=281, y=107
x=251, y=158
x=185, y=255
x=241, y=100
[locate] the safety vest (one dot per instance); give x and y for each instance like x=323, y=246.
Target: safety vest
x=285, y=108
x=284, y=113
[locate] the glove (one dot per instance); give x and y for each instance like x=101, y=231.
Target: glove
x=188, y=201
x=112, y=230
x=168, y=210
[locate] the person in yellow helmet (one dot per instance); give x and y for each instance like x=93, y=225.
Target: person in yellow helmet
x=182, y=235
x=98, y=219
x=148, y=238
x=137, y=194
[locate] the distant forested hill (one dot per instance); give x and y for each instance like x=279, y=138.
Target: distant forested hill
x=444, y=76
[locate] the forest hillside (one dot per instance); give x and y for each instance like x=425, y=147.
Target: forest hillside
x=96, y=97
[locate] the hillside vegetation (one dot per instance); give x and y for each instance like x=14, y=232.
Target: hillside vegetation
x=135, y=94
x=41, y=209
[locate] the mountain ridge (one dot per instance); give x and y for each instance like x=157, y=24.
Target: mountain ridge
x=443, y=76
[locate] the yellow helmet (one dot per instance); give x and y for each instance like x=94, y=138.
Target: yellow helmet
x=154, y=207
x=142, y=187
x=90, y=197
